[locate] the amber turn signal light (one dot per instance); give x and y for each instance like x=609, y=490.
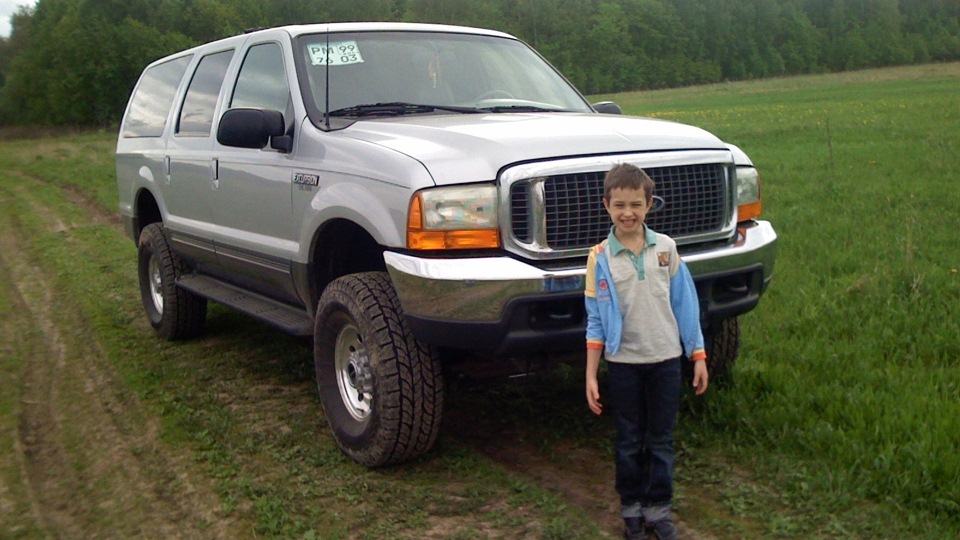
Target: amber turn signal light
x=748, y=211
x=421, y=239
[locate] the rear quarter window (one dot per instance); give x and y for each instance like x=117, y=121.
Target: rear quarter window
x=153, y=98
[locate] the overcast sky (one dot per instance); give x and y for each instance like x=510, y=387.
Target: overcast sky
x=8, y=8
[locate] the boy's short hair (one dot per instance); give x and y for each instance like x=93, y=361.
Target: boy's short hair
x=626, y=176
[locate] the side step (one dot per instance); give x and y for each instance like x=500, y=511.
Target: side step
x=287, y=318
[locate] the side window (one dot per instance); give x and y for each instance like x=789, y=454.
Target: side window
x=153, y=98
x=196, y=116
x=262, y=83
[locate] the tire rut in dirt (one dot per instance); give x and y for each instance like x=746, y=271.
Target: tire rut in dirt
x=95, y=214
x=91, y=459
x=583, y=476
x=42, y=459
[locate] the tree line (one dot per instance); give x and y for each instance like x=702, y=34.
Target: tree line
x=74, y=62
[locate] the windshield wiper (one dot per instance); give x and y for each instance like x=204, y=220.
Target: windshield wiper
x=521, y=108
x=397, y=109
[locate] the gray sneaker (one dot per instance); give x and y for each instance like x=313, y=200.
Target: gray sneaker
x=663, y=529
x=633, y=528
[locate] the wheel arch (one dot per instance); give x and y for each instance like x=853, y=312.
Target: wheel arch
x=146, y=210
x=338, y=248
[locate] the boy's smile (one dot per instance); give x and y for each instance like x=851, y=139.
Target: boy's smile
x=627, y=208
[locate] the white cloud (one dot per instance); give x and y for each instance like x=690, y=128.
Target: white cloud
x=8, y=8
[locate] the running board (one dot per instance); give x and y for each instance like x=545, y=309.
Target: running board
x=287, y=318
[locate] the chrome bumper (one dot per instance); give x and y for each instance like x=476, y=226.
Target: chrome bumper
x=756, y=244
x=477, y=290
x=471, y=290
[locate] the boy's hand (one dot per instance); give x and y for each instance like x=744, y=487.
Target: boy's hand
x=700, y=377
x=593, y=396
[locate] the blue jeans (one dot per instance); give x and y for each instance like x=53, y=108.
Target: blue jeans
x=645, y=399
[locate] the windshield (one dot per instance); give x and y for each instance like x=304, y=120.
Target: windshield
x=452, y=73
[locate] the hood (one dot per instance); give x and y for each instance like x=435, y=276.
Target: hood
x=475, y=147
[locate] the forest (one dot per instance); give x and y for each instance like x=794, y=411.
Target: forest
x=74, y=62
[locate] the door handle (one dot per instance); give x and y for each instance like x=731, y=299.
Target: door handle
x=215, y=174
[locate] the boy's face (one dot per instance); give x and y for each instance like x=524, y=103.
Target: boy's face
x=627, y=208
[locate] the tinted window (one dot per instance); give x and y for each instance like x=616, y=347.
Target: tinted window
x=196, y=116
x=262, y=83
x=153, y=98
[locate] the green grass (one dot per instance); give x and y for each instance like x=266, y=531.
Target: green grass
x=847, y=390
x=842, y=421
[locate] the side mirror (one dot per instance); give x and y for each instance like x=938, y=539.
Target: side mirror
x=252, y=128
x=607, y=107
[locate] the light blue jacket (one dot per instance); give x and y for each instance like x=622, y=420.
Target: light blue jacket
x=604, y=321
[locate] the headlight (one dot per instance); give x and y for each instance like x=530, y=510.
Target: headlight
x=462, y=217
x=748, y=193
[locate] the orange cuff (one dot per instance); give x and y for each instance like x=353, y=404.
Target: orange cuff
x=698, y=355
x=593, y=345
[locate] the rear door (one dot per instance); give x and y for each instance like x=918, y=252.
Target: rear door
x=190, y=180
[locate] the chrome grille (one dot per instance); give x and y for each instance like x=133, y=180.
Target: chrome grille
x=575, y=217
x=520, y=212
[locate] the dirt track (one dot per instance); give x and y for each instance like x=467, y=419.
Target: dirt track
x=81, y=434
x=582, y=476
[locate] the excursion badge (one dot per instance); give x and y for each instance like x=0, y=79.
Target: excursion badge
x=304, y=179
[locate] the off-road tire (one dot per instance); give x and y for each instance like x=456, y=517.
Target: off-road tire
x=723, y=347
x=384, y=400
x=174, y=313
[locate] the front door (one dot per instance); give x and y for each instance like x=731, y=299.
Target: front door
x=256, y=234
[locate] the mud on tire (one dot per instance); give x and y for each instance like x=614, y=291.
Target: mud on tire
x=174, y=313
x=381, y=388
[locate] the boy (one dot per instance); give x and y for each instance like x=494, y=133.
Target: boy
x=642, y=312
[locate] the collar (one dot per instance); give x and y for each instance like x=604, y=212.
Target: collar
x=650, y=239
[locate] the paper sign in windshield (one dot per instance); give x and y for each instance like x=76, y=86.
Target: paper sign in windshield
x=337, y=53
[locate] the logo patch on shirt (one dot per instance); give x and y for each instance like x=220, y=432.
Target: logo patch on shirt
x=603, y=285
x=664, y=258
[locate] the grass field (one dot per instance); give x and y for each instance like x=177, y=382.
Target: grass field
x=842, y=421
x=851, y=365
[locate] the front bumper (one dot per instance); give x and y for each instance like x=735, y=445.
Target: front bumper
x=503, y=305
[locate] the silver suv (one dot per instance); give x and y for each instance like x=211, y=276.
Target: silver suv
x=407, y=194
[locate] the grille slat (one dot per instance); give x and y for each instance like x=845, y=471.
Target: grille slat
x=575, y=217
x=520, y=212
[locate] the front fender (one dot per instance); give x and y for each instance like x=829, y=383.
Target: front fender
x=376, y=210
